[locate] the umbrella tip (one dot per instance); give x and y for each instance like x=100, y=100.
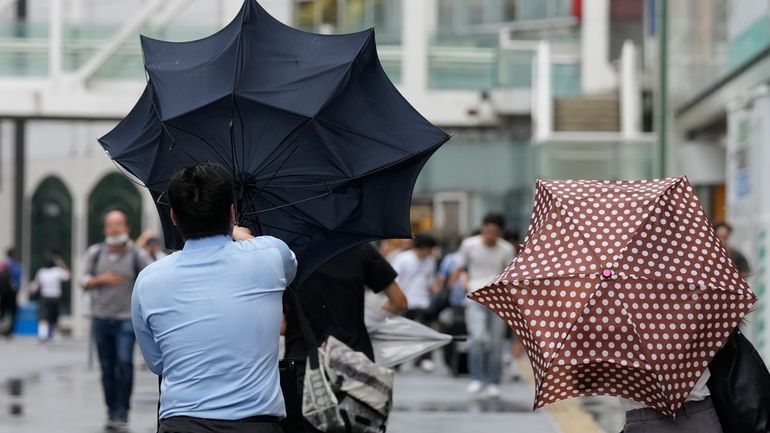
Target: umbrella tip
x=607, y=273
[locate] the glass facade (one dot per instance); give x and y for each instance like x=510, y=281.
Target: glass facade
x=345, y=16
x=710, y=39
x=24, y=47
x=458, y=15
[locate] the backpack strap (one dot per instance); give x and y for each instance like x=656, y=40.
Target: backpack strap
x=98, y=255
x=137, y=268
x=95, y=259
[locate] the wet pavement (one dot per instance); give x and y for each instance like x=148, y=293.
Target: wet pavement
x=62, y=394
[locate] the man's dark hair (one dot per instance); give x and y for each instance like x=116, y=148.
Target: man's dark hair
x=424, y=241
x=494, y=218
x=201, y=197
x=11, y=253
x=720, y=224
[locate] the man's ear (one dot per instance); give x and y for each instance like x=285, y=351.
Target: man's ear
x=173, y=216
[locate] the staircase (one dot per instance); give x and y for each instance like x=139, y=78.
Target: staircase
x=594, y=113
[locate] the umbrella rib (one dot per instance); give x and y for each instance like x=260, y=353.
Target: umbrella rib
x=236, y=77
x=280, y=207
x=334, y=91
x=659, y=199
x=219, y=154
x=261, y=211
x=295, y=146
x=369, y=173
x=584, y=235
x=295, y=133
x=358, y=134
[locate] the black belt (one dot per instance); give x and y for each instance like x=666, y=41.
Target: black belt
x=188, y=424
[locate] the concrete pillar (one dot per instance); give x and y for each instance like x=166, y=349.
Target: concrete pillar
x=76, y=12
x=79, y=235
x=418, y=25
x=596, y=74
x=630, y=93
x=20, y=178
x=541, y=92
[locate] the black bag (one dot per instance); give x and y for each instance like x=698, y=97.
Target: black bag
x=740, y=387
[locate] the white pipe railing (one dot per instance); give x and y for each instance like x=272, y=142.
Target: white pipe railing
x=128, y=30
x=630, y=93
x=542, y=102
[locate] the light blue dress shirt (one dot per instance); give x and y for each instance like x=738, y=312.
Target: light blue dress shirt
x=208, y=319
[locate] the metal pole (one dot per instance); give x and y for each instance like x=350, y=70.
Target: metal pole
x=21, y=10
x=19, y=177
x=662, y=86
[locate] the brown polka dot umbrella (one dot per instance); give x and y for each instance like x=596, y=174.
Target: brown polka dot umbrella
x=621, y=288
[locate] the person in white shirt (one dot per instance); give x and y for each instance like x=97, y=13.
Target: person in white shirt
x=48, y=283
x=483, y=257
x=416, y=269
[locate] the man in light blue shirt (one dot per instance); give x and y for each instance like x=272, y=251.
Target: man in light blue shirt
x=208, y=318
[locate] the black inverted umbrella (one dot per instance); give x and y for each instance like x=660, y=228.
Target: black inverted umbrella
x=323, y=149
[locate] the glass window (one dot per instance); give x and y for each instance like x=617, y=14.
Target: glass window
x=355, y=15
x=475, y=12
x=305, y=13
x=329, y=12
x=509, y=10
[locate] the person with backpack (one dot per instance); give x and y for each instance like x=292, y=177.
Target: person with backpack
x=111, y=270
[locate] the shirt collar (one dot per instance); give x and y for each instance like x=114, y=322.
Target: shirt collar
x=210, y=241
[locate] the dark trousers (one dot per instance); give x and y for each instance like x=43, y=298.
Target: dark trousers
x=114, y=340
x=419, y=315
x=187, y=424
x=694, y=416
x=8, y=310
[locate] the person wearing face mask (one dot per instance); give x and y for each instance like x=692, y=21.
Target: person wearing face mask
x=111, y=270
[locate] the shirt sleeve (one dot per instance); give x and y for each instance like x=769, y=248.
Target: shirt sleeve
x=62, y=274
x=144, y=337
x=461, y=258
x=378, y=274
x=287, y=257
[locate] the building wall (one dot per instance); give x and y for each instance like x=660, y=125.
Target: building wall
x=69, y=151
x=713, y=39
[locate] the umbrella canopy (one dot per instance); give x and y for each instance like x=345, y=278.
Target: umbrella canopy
x=323, y=149
x=621, y=288
x=396, y=339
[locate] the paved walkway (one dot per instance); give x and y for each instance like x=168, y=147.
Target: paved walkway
x=61, y=394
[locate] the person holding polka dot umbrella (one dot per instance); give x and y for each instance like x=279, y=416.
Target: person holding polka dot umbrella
x=622, y=288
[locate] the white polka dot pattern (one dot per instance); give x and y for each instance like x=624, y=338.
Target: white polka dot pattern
x=621, y=288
